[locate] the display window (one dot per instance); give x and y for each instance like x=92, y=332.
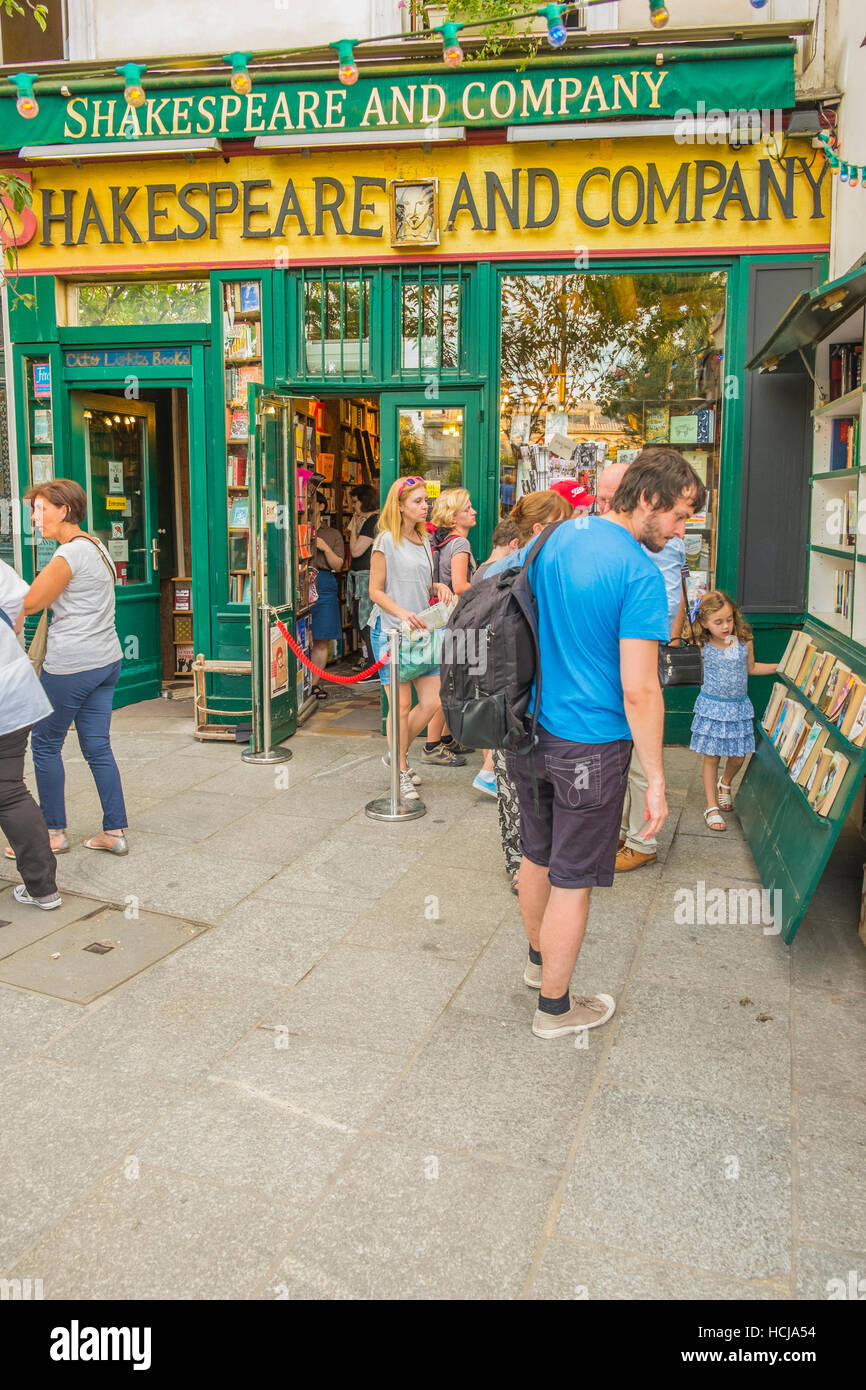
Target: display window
x=594, y=367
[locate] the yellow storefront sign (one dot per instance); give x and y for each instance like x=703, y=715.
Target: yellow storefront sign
x=580, y=198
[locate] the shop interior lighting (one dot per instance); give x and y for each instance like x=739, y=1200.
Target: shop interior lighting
x=26, y=105
x=452, y=53
x=347, y=69
x=133, y=91
x=241, y=82
x=114, y=149
x=414, y=135
x=556, y=30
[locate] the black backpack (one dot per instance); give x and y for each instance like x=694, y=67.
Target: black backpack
x=490, y=658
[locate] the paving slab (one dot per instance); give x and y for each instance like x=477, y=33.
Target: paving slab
x=829, y=1030
x=29, y=1022
x=831, y=1198
x=338, y=860
x=262, y=939
x=65, y=966
x=385, y=1000
x=407, y=1222
x=160, y=1236
x=569, y=1270
x=488, y=1086
x=316, y=1077
x=704, y=1044
x=62, y=1127
x=831, y=1275
x=650, y=1178
x=693, y=857
x=827, y=953
x=20, y=925
x=194, y=815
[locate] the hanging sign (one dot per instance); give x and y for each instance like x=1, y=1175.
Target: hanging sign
x=621, y=82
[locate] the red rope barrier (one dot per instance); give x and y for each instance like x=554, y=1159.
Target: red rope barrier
x=317, y=670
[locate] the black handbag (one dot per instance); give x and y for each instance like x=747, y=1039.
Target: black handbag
x=683, y=664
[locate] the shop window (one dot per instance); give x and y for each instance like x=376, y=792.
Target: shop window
x=101, y=305
x=40, y=445
x=430, y=321
x=336, y=317
x=595, y=367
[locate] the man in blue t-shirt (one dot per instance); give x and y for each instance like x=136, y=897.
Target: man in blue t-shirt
x=602, y=610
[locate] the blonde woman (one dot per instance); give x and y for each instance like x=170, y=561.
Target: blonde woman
x=401, y=586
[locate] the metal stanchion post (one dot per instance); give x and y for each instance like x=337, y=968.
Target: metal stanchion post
x=267, y=754
x=393, y=807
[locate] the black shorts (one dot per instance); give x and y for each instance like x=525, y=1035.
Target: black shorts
x=581, y=789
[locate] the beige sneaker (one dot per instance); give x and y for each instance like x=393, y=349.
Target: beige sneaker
x=585, y=1012
x=532, y=975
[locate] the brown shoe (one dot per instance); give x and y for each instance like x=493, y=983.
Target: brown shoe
x=620, y=842
x=632, y=859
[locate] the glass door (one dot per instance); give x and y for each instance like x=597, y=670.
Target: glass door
x=438, y=440
x=276, y=538
x=114, y=450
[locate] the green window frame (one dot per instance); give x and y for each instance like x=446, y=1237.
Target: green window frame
x=335, y=310
x=431, y=317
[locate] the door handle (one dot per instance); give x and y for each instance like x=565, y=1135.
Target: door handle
x=152, y=549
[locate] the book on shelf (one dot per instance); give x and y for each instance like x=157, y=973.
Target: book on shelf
x=807, y=680
x=242, y=340
x=812, y=733
x=794, y=654
x=239, y=516
x=820, y=677
x=812, y=757
x=836, y=713
x=791, y=729
x=853, y=704
x=810, y=651
x=236, y=470
x=828, y=786
x=842, y=591
x=816, y=775
x=787, y=653
x=795, y=749
x=857, y=729
x=844, y=438
x=846, y=368
x=771, y=713
x=240, y=425
x=239, y=551
x=838, y=675
x=325, y=464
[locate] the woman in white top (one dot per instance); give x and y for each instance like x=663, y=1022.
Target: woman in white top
x=401, y=585
x=82, y=661
x=22, y=703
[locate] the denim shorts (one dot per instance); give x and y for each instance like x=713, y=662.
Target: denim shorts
x=574, y=830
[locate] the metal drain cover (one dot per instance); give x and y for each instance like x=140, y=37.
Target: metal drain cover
x=98, y=948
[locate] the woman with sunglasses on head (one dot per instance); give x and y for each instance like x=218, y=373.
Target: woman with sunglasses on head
x=401, y=586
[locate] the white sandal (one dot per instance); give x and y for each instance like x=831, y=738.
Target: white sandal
x=713, y=818
x=726, y=800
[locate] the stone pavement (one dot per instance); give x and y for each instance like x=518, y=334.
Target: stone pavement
x=306, y=1068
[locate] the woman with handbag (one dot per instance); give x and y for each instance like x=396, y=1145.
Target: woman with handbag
x=401, y=587
x=22, y=703
x=82, y=661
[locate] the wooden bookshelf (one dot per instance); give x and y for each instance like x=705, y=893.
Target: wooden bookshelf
x=242, y=328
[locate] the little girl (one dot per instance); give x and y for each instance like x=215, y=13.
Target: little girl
x=724, y=718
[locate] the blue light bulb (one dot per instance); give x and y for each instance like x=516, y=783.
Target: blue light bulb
x=758, y=4
x=557, y=35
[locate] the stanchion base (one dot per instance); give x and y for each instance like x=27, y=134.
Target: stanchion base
x=271, y=755
x=384, y=809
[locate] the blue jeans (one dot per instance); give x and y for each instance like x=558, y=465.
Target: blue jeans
x=85, y=699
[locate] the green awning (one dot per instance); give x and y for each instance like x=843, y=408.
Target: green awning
x=810, y=318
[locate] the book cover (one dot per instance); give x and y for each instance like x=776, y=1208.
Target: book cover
x=240, y=425
x=853, y=703
x=657, y=424
x=816, y=776
x=843, y=689
x=806, y=745
x=250, y=296
x=239, y=552
x=819, y=674
x=240, y=513
x=812, y=758
x=806, y=665
x=795, y=658
x=782, y=721
x=796, y=744
x=684, y=429
x=831, y=784
x=838, y=676
x=771, y=712
x=791, y=733
x=857, y=732
x=786, y=655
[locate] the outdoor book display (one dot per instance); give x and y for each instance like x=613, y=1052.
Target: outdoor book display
x=242, y=326
x=811, y=744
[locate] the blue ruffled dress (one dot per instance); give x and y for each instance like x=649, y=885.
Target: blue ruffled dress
x=724, y=716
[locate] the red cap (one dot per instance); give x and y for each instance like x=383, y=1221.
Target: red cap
x=573, y=493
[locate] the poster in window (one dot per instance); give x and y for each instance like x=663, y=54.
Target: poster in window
x=279, y=663
x=42, y=427
x=41, y=468
x=684, y=429
x=115, y=476
x=657, y=424
x=250, y=299
x=42, y=381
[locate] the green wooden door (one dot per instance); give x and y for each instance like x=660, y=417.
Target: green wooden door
x=437, y=439
x=114, y=459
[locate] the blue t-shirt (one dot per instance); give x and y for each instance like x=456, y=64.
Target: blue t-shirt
x=595, y=587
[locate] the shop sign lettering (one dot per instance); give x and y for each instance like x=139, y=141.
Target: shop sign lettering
x=129, y=357
x=637, y=194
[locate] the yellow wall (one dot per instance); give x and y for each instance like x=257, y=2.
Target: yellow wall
x=725, y=200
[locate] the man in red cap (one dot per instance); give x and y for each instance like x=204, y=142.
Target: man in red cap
x=575, y=494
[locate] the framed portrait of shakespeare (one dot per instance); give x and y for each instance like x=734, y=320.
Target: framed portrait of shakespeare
x=414, y=212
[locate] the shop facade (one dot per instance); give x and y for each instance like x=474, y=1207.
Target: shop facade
x=488, y=308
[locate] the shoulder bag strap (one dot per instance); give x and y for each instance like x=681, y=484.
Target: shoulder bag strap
x=108, y=565
x=686, y=614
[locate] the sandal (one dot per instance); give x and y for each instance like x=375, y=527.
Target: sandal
x=713, y=819
x=726, y=800
x=119, y=847
x=319, y=693
x=62, y=848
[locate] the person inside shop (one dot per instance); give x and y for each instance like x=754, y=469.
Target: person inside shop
x=330, y=554
x=23, y=703
x=401, y=587
x=82, y=662
x=362, y=533
x=453, y=517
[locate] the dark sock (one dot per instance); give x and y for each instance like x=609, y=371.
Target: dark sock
x=431, y=747
x=554, y=1006
x=449, y=738
x=534, y=956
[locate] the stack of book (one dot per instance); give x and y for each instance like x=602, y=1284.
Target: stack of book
x=846, y=368
x=242, y=341
x=844, y=444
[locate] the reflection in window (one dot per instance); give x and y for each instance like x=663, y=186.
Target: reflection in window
x=595, y=367
x=431, y=325
x=337, y=324
x=431, y=447
x=139, y=301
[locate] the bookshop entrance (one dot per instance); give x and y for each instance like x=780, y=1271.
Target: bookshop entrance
x=132, y=459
